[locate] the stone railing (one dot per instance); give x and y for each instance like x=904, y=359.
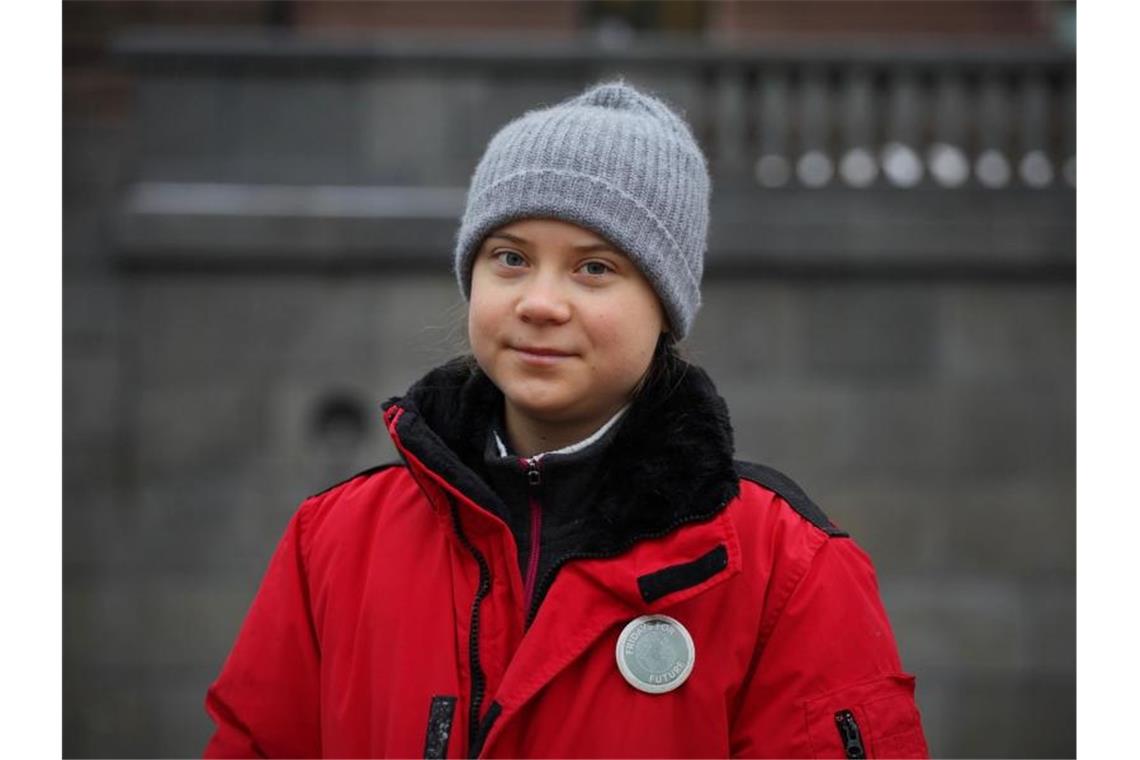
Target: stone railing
x=346, y=140
x=950, y=118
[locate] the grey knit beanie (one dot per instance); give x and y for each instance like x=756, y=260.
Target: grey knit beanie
x=613, y=160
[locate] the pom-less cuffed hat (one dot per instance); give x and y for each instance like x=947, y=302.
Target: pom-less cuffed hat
x=614, y=160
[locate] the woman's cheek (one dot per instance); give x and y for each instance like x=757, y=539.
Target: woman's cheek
x=481, y=316
x=607, y=329
x=478, y=336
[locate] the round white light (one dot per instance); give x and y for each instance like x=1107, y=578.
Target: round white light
x=992, y=168
x=948, y=164
x=858, y=167
x=814, y=169
x=772, y=170
x=901, y=164
x=1036, y=169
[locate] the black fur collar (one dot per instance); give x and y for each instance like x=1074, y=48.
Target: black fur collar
x=670, y=461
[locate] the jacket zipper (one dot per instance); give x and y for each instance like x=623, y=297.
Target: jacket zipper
x=478, y=679
x=849, y=734
x=548, y=576
x=477, y=730
x=534, y=481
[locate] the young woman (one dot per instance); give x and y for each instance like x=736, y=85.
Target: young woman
x=567, y=561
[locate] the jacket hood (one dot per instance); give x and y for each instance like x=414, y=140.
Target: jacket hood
x=669, y=462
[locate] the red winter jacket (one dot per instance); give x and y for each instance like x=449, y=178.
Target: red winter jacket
x=391, y=620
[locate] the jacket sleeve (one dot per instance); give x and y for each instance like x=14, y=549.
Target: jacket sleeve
x=826, y=680
x=265, y=702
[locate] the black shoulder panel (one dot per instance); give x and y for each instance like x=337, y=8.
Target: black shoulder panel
x=369, y=471
x=777, y=481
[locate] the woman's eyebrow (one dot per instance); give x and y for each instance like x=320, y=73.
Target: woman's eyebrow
x=590, y=247
x=585, y=247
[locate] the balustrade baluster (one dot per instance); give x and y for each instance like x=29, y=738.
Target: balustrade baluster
x=1035, y=166
x=814, y=168
x=858, y=166
x=1068, y=97
x=901, y=163
x=773, y=117
x=947, y=159
x=729, y=118
x=992, y=165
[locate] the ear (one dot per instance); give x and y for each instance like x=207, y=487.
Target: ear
x=663, y=318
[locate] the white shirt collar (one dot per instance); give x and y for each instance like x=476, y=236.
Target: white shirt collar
x=572, y=447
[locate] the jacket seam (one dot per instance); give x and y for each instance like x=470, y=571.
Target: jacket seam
x=767, y=629
x=303, y=550
x=363, y=473
x=303, y=516
x=791, y=494
x=764, y=634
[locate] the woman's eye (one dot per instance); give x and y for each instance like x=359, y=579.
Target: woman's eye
x=511, y=258
x=596, y=268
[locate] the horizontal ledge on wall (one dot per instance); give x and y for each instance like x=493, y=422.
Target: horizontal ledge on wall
x=879, y=233
x=226, y=199
x=149, y=46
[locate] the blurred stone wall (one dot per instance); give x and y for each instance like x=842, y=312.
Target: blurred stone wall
x=906, y=354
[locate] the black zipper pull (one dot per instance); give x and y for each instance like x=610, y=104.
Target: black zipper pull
x=533, y=475
x=849, y=734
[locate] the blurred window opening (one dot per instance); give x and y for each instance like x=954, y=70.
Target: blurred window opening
x=339, y=418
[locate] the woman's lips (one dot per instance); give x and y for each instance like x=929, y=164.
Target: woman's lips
x=540, y=356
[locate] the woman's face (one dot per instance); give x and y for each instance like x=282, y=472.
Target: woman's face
x=562, y=322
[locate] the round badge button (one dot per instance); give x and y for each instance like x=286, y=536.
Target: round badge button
x=655, y=653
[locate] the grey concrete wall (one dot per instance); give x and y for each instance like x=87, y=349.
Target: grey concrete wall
x=931, y=413
x=934, y=421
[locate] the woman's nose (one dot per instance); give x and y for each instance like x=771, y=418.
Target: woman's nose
x=543, y=301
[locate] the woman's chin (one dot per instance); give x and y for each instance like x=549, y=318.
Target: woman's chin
x=550, y=411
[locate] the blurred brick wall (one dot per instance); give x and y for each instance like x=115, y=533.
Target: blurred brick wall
x=837, y=18
x=497, y=15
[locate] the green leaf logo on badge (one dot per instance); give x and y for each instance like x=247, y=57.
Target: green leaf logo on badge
x=655, y=653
